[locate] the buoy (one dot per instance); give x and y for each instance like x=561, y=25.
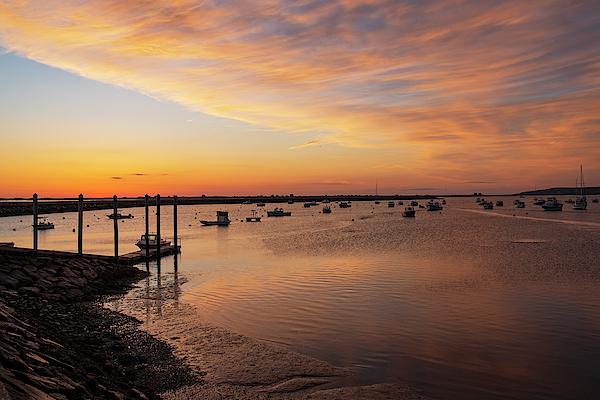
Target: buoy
x=73, y=230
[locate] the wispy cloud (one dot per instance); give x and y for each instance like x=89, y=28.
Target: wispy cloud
x=483, y=82
x=311, y=143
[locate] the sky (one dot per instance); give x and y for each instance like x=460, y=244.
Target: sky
x=306, y=97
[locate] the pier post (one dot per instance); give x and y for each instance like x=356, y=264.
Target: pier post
x=35, y=222
x=80, y=225
x=147, y=229
x=158, y=228
x=175, y=224
x=116, y=224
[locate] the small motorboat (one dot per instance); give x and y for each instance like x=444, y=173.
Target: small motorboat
x=247, y=202
x=499, y=203
x=344, y=204
x=390, y=204
x=290, y=201
x=520, y=204
x=594, y=200
x=326, y=200
x=326, y=210
x=414, y=203
x=43, y=224
x=400, y=203
x=488, y=205
x=151, y=242
x=431, y=206
x=278, y=212
x=119, y=216
x=408, y=212
x=260, y=204
x=253, y=218
x=552, y=205
x=222, y=219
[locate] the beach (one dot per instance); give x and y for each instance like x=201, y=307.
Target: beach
x=59, y=341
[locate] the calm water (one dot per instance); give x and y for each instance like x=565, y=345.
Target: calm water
x=466, y=303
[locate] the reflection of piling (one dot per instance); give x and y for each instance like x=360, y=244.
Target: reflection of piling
x=175, y=224
x=116, y=226
x=35, y=222
x=80, y=225
x=147, y=229
x=158, y=227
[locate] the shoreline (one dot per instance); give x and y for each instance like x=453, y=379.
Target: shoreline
x=61, y=341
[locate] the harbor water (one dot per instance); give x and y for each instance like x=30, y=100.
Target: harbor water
x=459, y=303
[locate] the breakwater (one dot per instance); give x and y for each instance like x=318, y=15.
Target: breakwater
x=47, y=206
x=58, y=342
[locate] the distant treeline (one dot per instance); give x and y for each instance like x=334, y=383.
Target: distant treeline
x=569, y=191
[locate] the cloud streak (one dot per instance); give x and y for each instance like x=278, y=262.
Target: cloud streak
x=450, y=82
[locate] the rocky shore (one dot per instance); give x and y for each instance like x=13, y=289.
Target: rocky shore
x=57, y=341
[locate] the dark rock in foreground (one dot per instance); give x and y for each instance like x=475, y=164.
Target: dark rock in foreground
x=58, y=342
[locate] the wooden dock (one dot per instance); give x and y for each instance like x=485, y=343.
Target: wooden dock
x=140, y=256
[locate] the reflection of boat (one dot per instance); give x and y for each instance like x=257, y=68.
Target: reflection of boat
x=119, y=216
x=278, y=212
x=431, y=206
x=344, y=205
x=408, y=212
x=326, y=210
x=390, y=204
x=151, y=242
x=222, y=219
x=552, y=205
x=43, y=224
x=253, y=218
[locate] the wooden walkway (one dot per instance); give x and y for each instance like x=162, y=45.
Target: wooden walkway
x=140, y=256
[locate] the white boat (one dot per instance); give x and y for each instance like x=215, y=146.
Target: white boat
x=325, y=201
x=247, y=202
x=581, y=201
x=326, y=210
x=390, y=204
x=278, y=212
x=408, y=212
x=552, y=205
x=488, y=205
x=431, y=206
x=260, y=204
x=151, y=242
x=290, y=201
x=119, y=216
x=43, y=224
x=344, y=205
x=222, y=219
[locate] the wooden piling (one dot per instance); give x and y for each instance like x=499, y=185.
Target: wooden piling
x=158, y=228
x=147, y=229
x=116, y=225
x=175, y=224
x=35, y=222
x=80, y=225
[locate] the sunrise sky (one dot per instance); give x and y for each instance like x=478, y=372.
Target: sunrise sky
x=306, y=97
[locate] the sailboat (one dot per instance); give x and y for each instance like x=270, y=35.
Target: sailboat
x=376, y=197
x=580, y=202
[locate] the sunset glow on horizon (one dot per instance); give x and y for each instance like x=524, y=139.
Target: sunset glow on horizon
x=306, y=97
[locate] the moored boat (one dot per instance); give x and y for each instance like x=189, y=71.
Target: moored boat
x=408, y=212
x=151, y=242
x=119, y=216
x=7, y=244
x=253, y=218
x=581, y=201
x=278, y=212
x=326, y=210
x=520, y=204
x=222, y=219
x=488, y=205
x=552, y=205
x=390, y=204
x=431, y=206
x=344, y=205
x=499, y=203
x=43, y=224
